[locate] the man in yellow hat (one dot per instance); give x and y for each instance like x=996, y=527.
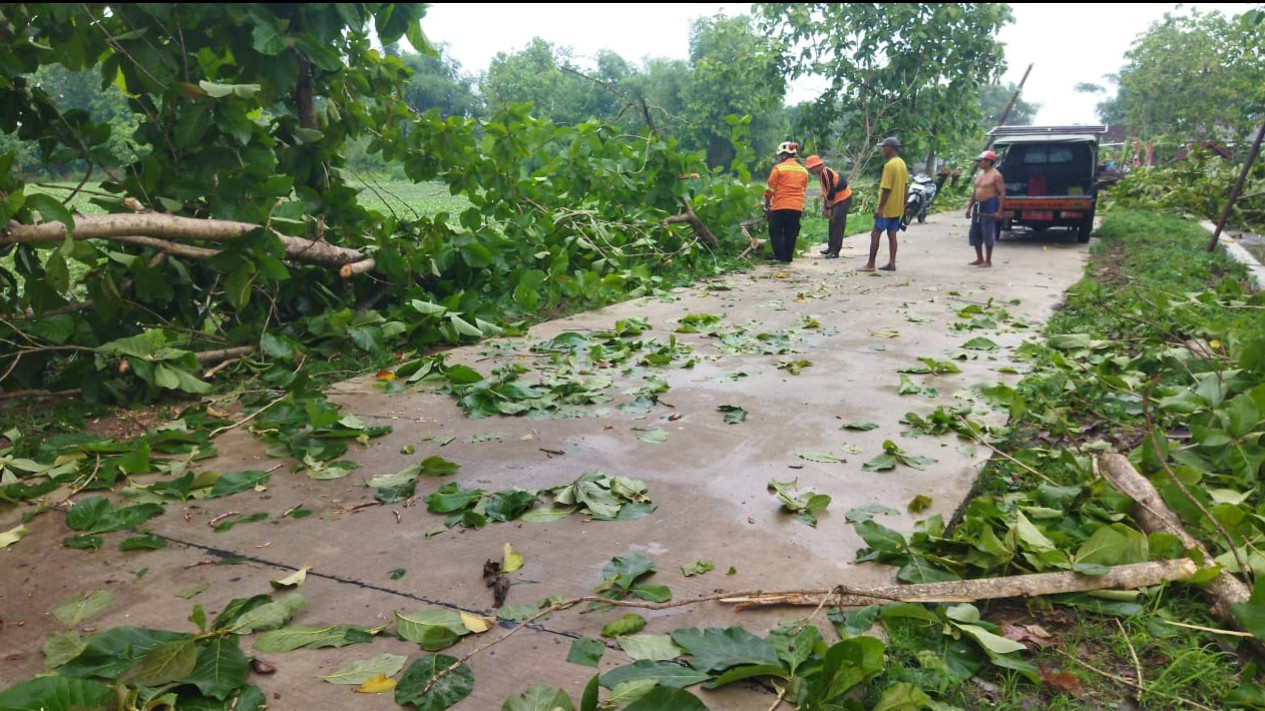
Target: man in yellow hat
x=836, y=200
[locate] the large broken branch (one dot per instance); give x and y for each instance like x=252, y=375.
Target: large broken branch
x=1154, y=516
x=152, y=228
x=1120, y=577
x=692, y=219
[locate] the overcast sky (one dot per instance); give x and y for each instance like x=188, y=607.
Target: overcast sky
x=1067, y=43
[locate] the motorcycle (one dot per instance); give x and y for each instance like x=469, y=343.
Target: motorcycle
x=922, y=191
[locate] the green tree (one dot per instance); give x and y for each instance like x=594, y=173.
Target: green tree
x=242, y=231
x=1109, y=109
x=438, y=83
x=557, y=89
x=993, y=101
x=734, y=70
x=914, y=70
x=1194, y=77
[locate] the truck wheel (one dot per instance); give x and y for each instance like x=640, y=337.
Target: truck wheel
x=1086, y=226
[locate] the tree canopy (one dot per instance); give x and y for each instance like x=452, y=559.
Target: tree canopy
x=913, y=70
x=1193, y=77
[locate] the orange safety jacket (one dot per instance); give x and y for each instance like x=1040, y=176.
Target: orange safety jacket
x=829, y=180
x=788, y=182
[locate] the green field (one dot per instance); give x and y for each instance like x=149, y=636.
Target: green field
x=410, y=200
x=406, y=199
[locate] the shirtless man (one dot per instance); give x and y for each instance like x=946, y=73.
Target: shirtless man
x=987, y=197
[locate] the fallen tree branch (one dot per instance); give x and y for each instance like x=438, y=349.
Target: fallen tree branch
x=38, y=394
x=206, y=358
x=130, y=228
x=1154, y=516
x=692, y=220
x=356, y=268
x=753, y=243
x=1120, y=577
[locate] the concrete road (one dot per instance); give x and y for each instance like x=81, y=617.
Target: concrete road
x=709, y=480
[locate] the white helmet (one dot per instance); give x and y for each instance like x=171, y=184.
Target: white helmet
x=788, y=147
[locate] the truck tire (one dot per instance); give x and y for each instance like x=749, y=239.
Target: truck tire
x=1086, y=226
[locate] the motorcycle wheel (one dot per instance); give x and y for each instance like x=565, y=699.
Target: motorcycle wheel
x=922, y=216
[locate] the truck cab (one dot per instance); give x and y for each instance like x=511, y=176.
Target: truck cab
x=1051, y=175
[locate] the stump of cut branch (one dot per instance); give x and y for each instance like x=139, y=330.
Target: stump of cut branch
x=753, y=243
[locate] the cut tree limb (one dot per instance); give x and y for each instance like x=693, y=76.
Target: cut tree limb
x=1154, y=516
x=1120, y=577
x=134, y=228
x=753, y=242
x=692, y=220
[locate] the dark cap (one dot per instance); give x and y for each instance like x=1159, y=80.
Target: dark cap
x=891, y=141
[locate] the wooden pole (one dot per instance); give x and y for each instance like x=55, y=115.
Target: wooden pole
x=1005, y=114
x=1238, y=187
x=1120, y=577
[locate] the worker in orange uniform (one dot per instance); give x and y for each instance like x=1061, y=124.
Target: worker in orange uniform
x=836, y=200
x=784, y=201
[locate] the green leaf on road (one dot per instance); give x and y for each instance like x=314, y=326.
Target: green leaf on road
x=77, y=608
x=653, y=647
x=586, y=652
x=56, y=693
x=667, y=674
x=288, y=639
x=714, y=650
x=539, y=698
x=859, y=426
x=697, y=568
x=168, y=662
x=822, y=457
x=362, y=670
x=631, y=623
x=447, y=691
x=269, y=616
x=653, y=435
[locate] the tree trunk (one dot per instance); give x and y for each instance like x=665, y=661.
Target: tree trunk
x=1120, y=577
x=1154, y=516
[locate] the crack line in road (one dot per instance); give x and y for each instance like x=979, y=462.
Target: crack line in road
x=504, y=624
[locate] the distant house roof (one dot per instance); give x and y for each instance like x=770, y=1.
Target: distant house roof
x=1116, y=133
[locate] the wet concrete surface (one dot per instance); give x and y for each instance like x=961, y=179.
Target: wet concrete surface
x=708, y=479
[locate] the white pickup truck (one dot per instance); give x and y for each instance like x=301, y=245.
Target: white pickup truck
x=1051, y=175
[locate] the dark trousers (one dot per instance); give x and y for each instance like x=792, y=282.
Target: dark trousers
x=783, y=233
x=838, y=225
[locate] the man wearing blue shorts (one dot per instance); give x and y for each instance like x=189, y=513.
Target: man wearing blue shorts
x=985, y=208
x=891, y=204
